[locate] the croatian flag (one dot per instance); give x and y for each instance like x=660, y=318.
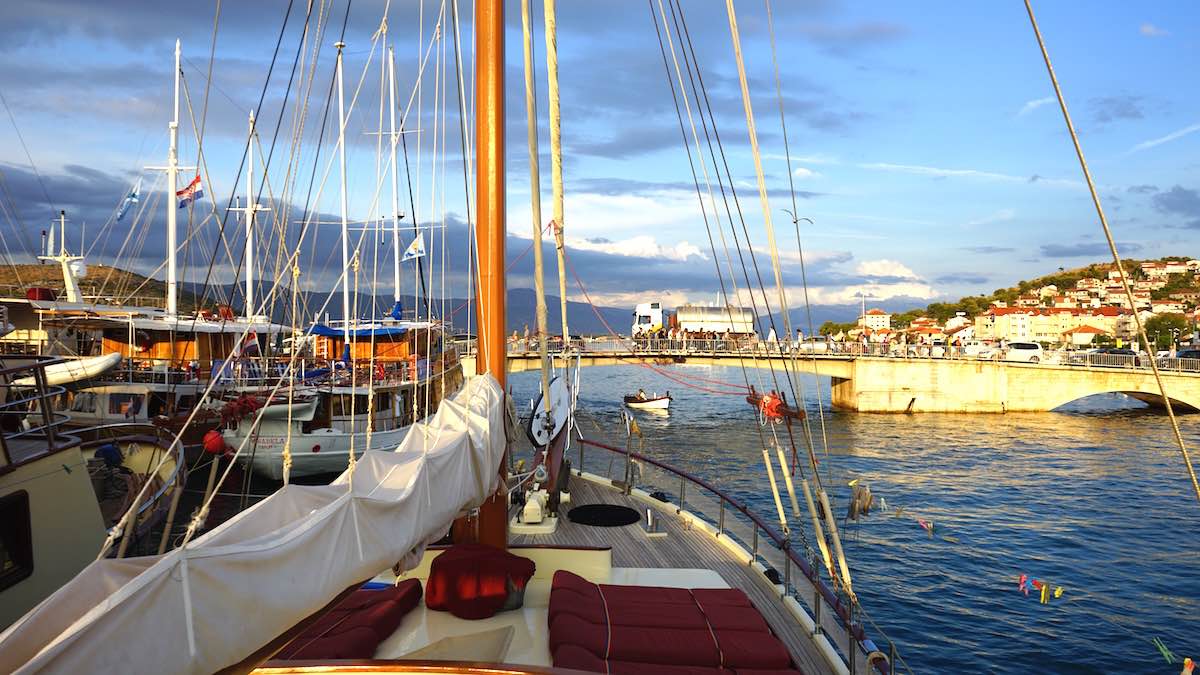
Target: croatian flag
x=189, y=194
x=416, y=249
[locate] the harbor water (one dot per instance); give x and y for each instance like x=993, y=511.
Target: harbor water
x=1093, y=497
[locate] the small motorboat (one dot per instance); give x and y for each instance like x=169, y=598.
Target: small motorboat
x=643, y=402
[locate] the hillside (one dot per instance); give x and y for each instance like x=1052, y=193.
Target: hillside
x=111, y=284
x=1063, y=279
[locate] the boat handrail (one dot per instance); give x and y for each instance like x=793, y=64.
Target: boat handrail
x=791, y=556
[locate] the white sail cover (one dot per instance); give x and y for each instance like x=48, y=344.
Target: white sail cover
x=235, y=589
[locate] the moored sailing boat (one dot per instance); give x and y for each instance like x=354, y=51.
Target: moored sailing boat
x=687, y=593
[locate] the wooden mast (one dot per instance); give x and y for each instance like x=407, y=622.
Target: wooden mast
x=490, y=230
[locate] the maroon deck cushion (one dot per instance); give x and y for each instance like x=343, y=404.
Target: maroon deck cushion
x=577, y=658
x=472, y=581
x=356, y=626
x=642, y=626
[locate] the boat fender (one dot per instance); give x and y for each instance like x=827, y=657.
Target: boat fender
x=111, y=455
x=214, y=443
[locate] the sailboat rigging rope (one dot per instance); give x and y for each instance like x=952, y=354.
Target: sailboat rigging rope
x=787, y=153
x=1112, y=247
x=700, y=93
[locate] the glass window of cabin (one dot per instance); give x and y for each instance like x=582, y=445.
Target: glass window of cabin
x=124, y=404
x=84, y=401
x=16, y=539
x=185, y=402
x=383, y=401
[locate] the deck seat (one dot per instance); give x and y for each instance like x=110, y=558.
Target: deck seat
x=356, y=626
x=640, y=626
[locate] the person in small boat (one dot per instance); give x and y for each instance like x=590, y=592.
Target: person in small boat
x=641, y=395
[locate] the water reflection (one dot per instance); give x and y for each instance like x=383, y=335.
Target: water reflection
x=1093, y=497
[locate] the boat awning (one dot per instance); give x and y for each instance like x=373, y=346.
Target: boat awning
x=368, y=331
x=175, y=325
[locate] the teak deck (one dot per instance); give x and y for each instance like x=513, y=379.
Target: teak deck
x=682, y=547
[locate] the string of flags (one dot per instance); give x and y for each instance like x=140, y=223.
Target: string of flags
x=1024, y=583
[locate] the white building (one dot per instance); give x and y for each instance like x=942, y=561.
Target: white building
x=875, y=319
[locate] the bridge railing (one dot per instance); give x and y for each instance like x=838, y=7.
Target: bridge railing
x=668, y=348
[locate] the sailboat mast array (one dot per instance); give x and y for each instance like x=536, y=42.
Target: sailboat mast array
x=345, y=218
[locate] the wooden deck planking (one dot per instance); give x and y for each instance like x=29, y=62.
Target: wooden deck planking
x=682, y=548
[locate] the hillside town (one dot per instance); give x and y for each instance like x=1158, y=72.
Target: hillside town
x=1094, y=310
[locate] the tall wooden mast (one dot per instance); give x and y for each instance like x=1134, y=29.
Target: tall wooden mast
x=490, y=230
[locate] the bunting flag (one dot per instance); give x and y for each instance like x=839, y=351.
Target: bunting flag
x=134, y=196
x=416, y=249
x=189, y=194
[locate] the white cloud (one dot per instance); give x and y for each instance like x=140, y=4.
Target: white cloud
x=884, y=268
x=875, y=293
x=816, y=158
x=938, y=172
x=1145, y=145
x=1036, y=103
x=1150, y=30
x=802, y=172
x=642, y=246
x=1001, y=216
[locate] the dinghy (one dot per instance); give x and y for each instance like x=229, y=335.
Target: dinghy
x=648, y=403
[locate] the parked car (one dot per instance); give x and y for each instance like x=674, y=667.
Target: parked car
x=1184, y=359
x=1114, y=356
x=1025, y=352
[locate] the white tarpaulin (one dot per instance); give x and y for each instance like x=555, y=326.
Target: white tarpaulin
x=235, y=589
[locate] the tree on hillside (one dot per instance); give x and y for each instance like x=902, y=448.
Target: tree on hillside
x=1162, y=329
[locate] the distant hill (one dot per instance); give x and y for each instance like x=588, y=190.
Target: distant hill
x=111, y=284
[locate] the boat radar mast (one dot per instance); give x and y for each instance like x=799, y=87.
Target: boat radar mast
x=70, y=283
x=172, y=170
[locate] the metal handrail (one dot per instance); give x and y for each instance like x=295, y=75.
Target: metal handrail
x=856, y=631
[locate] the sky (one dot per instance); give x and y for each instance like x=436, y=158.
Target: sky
x=926, y=147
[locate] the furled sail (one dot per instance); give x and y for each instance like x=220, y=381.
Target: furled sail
x=221, y=598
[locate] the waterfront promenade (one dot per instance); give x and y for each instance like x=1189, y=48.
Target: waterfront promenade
x=873, y=380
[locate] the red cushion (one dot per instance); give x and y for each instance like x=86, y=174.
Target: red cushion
x=358, y=643
x=641, y=625
x=471, y=580
x=577, y=658
x=356, y=626
x=745, y=649
x=594, y=611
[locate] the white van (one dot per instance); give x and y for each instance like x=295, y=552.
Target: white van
x=1026, y=352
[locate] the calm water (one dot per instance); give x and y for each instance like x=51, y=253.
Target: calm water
x=1094, y=498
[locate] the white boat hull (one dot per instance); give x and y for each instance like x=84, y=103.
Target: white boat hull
x=325, y=451
x=650, y=404
x=74, y=370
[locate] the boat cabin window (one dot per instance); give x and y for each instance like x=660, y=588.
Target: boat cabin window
x=383, y=401
x=16, y=539
x=159, y=404
x=340, y=405
x=128, y=405
x=84, y=401
x=644, y=319
x=185, y=402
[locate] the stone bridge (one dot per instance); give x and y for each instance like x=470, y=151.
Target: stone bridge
x=912, y=385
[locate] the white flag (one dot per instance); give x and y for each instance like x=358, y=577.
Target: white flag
x=416, y=249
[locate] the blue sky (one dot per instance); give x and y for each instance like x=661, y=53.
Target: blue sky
x=926, y=145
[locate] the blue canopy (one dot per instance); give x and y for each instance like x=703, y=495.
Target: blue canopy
x=375, y=331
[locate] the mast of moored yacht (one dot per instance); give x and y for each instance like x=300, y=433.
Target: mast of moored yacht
x=395, y=178
x=172, y=170
x=556, y=159
x=344, y=207
x=489, y=232
x=535, y=195
x=248, y=212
